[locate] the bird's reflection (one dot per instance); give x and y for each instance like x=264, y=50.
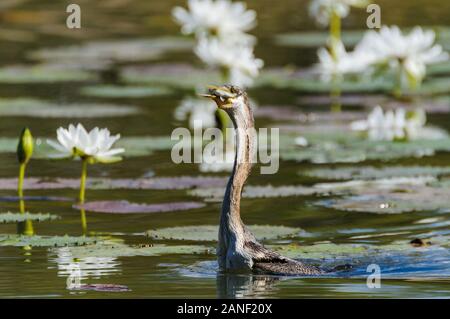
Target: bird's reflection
x=245, y=285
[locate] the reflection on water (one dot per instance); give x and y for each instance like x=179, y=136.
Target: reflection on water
x=245, y=285
x=87, y=267
x=38, y=272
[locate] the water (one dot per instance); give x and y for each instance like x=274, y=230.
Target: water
x=41, y=272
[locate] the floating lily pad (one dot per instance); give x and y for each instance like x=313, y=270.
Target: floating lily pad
x=35, y=198
x=321, y=250
x=29, y=107
x=133, y=50
x=125, y=207
x=175, y=75
x=114, y=91
x=145, y=145
x=101, y=287
x=355, y=251
x=404, y=184
x=21, y=217
x=379, y=202
x=330, y=145
x=180, y=182
x=310, y=83
x=290, y=113
x=370, y=172
x=43, y=74
x=210, y=232
x=267, y=191
x=113, y=249
x=44, y=241
x=389, y=196
x=313, y=39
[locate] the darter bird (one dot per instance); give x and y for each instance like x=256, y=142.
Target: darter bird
x=238, y=248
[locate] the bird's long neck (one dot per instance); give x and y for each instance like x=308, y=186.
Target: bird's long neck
x=242, y=118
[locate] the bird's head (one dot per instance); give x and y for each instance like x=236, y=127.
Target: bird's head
x=227, y=97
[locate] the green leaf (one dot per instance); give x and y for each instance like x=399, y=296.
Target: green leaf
x=210, y=232
x=174, y=75
x=313, y=39
x=115, y=249
x=267, y=191
x=44, y=241
x=106, y=52
x=21, y=217
x=371, y=172
x=29, y=107
x=19, y=74
x=115, y=91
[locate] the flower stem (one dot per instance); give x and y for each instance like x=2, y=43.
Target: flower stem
x=335, y=34
x=335, y=96
x=26, y=227
x=83, y=221
x=83, y=180
x=21, y=178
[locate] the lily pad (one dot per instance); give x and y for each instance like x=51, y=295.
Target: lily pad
x=113, y=250
x=392, y=202
x=371, y=172
x=330, y=250
x=28, y=107
x=125, y=207
x=176, y=75
x=21, y=217
x=180, y=182
x=112, y=51
x=115, y=91
x=290, y=113
x=313, y=39
x=101, y=288
x=331, y=145
x=210, y=232
x=267, y=191
x=44, y=73
x=44, y=241
x=309, y=82
x=390, y=195
x=35, y=198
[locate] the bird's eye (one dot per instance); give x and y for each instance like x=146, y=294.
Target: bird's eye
x=222, y=99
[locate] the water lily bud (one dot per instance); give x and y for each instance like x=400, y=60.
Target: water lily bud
x=25, y=147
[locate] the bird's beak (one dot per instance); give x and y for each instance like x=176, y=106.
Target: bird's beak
x=221, y=95
x=207, y=96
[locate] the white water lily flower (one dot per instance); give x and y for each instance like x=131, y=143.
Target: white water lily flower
x=322, y=10
x=343, y=63
x=201, y=113
x=391, y=125
x=238, y=61
x=95, y=146
x=221, y=18
x=413, y=52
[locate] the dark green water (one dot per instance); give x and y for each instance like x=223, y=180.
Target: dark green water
x=41, y=273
